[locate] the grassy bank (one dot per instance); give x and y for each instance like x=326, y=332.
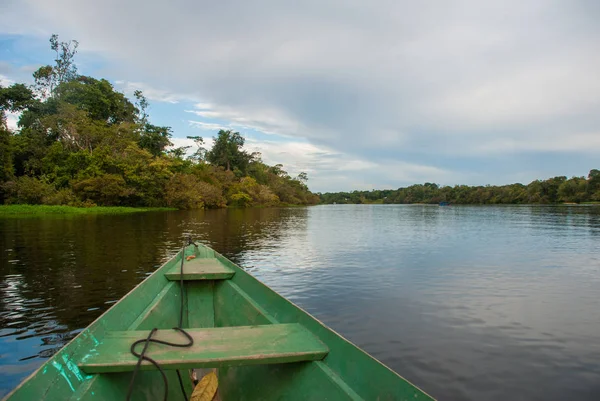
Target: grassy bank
x=41, y=210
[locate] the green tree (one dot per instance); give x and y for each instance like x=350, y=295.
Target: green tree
x=81, y=142
x=594, y=185
x=573, y=190
x=155, y=139
x=228, y=152
x=14, y=98
x=200, y=153
x=48, y=77
x=98, y=98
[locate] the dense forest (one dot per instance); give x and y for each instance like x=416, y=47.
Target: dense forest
x=552, y=190
x=80, y=142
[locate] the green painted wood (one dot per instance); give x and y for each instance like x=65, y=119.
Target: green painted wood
x=233, y=307
x=214, y=347
x=290, y=382
x=200, y=305
x=148, y=386
x=201, y=269
x=346, y=373
x=162, y=312
x=363, y=375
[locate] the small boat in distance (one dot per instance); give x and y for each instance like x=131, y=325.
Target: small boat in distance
x=210, y=316
x=444, y=203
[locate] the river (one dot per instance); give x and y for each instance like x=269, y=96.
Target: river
x=467, y=302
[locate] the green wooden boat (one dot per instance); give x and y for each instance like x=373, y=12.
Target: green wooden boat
x=261, y=346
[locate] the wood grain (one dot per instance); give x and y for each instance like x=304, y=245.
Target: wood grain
x=213, y=347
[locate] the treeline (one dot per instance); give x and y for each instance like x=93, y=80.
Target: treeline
x=553, y=190
x=82, y=143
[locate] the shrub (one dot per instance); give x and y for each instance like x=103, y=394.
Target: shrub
x=104, y=190
x=27, y=190
x=64, y=196
x=240, y=199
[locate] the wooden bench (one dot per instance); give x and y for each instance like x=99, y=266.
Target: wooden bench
x=214, y=347
x=200, y=269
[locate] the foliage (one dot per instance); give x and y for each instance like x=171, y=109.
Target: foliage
x=250, y=193
x=552, y=190
x=227, y=152
x=185, y=191
x=206, y=389
x=107, y=189
x=27, y=190
x=82, y=143
x=48, y=77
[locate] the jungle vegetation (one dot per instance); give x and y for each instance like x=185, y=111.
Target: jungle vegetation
x=80, y=142
x=553, y=190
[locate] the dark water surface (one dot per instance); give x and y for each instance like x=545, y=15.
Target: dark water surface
x=469, y=303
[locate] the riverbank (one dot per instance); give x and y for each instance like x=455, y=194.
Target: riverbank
x=42, y=210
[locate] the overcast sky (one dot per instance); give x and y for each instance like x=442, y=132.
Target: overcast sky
x=359, y=94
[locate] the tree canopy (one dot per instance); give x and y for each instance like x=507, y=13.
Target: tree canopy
x=81, y=142
x=552, y=190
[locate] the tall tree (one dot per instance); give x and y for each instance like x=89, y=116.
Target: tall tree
x=228, y=152
x=99, y=98
x=155, y=139
x=200, y=153
x=142, y=105
x=15, y=98
x=48, y=77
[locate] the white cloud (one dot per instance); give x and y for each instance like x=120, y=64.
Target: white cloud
x=11, y=120
x=577, y=142
x=462, y=85
x=5, y=81
x=207, y=126
x=264, y=120
x=150, y=92
x=329, y=170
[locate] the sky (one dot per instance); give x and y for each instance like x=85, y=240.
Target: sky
x=359, y=95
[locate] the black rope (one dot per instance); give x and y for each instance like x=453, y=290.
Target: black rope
x=142, y=356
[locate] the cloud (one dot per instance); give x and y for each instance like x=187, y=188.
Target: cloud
x=5, y=81
x=457, y=86
x=11, y=120
x=150, y=93
x=264, y=120
x=207, y=126
x=329, y=170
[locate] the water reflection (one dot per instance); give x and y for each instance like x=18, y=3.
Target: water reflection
x=468, y=302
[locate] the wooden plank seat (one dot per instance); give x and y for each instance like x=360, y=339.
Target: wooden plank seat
x=200, y=269
x=213, y=347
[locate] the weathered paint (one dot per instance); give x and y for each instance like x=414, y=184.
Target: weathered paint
x=213, y=347
x=61, y=371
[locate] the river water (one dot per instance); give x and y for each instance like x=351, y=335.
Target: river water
x=469, y=303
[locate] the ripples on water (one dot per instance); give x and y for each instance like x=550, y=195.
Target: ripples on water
x=469, y=303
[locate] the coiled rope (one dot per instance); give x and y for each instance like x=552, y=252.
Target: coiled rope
x=146, y=341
